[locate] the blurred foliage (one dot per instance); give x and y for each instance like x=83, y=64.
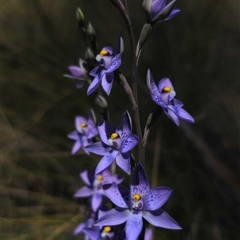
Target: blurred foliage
x=198, y=51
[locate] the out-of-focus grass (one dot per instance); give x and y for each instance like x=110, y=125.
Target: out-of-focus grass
x=198, y=50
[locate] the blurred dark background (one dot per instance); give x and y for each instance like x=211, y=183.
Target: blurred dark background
x=198, y=50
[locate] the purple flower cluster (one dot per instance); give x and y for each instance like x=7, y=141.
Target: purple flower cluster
x=116, y=143
x=164, y=96
x=86, y=130
x=131, y=207
x=109, y=61
x=94, y=184
x=137, y=203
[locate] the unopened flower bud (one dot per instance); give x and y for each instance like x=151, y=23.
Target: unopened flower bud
x=80, y=18
x=101, y=102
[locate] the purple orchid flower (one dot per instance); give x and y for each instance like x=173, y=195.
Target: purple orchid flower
x=116, y=143
x=87, y=224
x=85, y=130
x=101, y=232
x=94, y=186
x=158, y=11
x=103, y=74
x=78, y=73
x=164, y=96
x=140, y=202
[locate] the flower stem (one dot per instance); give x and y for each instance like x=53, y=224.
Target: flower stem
x=125, y=16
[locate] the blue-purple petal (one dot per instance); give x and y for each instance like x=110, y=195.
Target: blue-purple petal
x=87, y=177
x=93, y=233
x=77, y=146
x=105, y=130
x=73, y=135
x=107, y=82
x=97, y=148
x=77, y=72
x=106, y=161
x=79, y=228
x=156, y=197
x=80, y=84
x=129, y=143
x=118, y=194
x=160, y=218
x=148, y=234
x=134, y=226
x=116, y=63
x=94, y=84
x=173, y=14
x=96, y=201
x=184, y=115
x=126, y=124
x=123, y=161
x=172, y=115
x=155, y=94
x=139, y=181
x=113, y=217
x=84, y=192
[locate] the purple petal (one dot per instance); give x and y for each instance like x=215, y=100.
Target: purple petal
x=166, y=97
x=84, y=192
x=160, y=218
x=172, y=115
x=107, y=82
x=184, y=115
x=96, y=201
x=173, y=14
x=106, y=161
x=79, y=228
x=123, y=161
x=94, y=84
x=80, y=85
x=92, y=133
x=156, y=197
x=148, y=234
x=156, y=7
x=118, y=194
x=87, y=177
x=113, y=217
x=129, y=143
x=139, y=181
x=95, y=71
x=77, y=72
x=126, y=124
x=97, y=148
x=77, y=145
x=155, y=94
x=93, y=233
x=116, y=63
x=73, y=135
x=105, y=130
x=134, y=226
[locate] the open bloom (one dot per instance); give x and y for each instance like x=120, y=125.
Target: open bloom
x=103, y=74
x=140, y=202
x=78, y=73
x=85, y=130
x=87, y=224
x=164, y=96
x=116, y=143
x=94, y=185
x=100, y=232
x=158, y=11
